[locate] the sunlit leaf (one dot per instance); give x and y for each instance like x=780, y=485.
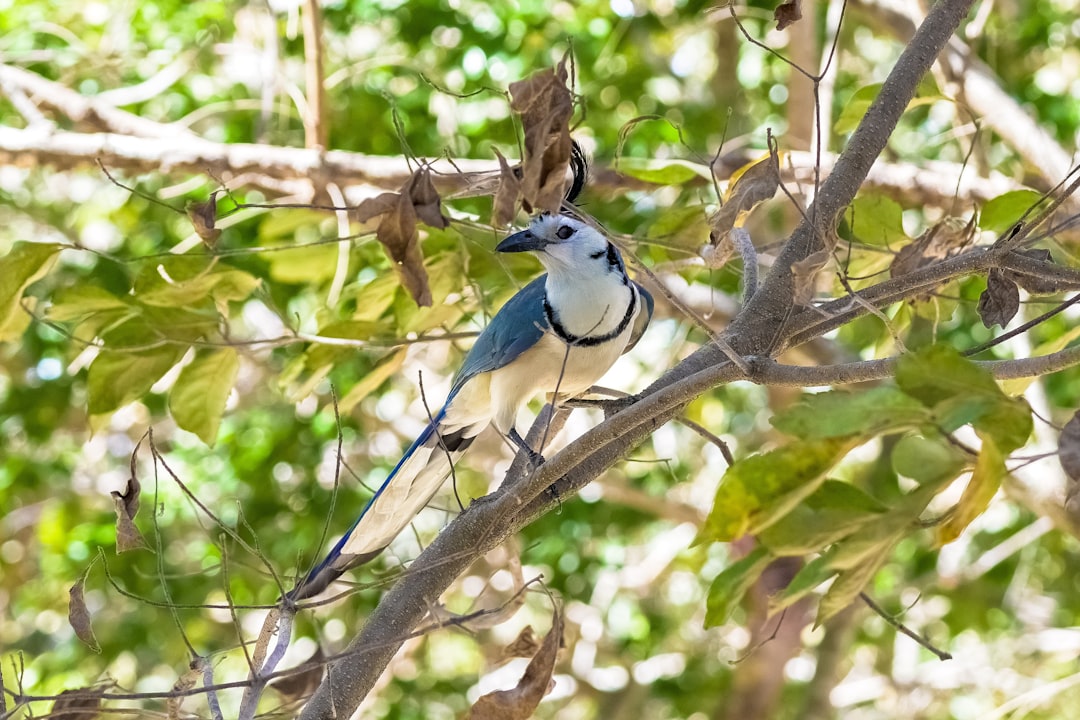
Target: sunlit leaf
x=117, y=378
x=984, y=483
x=383, y=371
x=849, y=583
x=877, y=220
x=662, y=172
x=842, y=413
x=197, y=399
x=760, y=489
x=79, y=301
x=1001, y=213
x=24, y=264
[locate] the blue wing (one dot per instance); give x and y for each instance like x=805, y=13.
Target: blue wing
x=518, y=325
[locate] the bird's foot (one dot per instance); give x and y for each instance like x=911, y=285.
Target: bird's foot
x=535, y=458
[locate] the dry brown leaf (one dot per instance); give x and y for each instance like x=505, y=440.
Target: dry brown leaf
x=425, y=198
x=753, y=184
x=520, y=702
x=524, y=645
x=78, y=704
x=373, y=207
x=126, y=505
x=417, y=200
x=203, y=218
x=302, y=683
x=786, y=13
x=943, y=240
x=79, y=616
x=545, y=105
x=507, y=197
x=1000, y=301
x=805, y=272
x=1069, y=448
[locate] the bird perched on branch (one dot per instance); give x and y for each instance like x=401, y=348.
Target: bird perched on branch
x=558, y=334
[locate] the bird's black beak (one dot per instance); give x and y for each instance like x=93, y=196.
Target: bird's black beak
x=523, y=241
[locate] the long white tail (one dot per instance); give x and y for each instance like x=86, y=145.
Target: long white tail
x=411, y=484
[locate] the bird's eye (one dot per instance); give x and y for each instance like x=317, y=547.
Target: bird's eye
x=564, y=232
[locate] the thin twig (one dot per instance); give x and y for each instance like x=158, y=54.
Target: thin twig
x=901, y=627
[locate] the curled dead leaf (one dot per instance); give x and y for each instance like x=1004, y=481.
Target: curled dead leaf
x=943, y=240
x=750, y=186
x=545, y=105
x=203, y=218
x=397, y=233
x=126, y=505
x=507, y=197
x=787, y=12
x=79, y=615
x=520, y=702
x=524, y=645
x=1000, y=301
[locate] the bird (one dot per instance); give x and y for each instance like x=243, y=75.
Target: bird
x=558, y=334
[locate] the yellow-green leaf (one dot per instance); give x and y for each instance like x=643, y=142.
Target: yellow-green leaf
x=984, y=483
x=758, y=490
x=850, y=583
x=383, y=371
x=877, y=220
x=662, y=172
x=117, y=378
x=197, y=400
x=25, y=263
x=842, y=413
x=833, y=512
x=1001, y=213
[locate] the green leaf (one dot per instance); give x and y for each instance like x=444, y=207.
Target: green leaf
x=313, y=264
x=117, y=378
x=197, y=400
x=81, y=301
x=1017, y=386
x=841, y=413
x=383, y=371
x=662, y=172
x=882, y=535
x=961, y=392
x=1001, y=213
x=25, y=263
x=728, y=588
x=810, y=577
x=833, y=512
x=939, y=372
x=856, y=108
x=860, y=102
x=877, y=220
x=927, y=461
x=684, y=226
x=984, y=483
x=849, y=584
x=758, y=490
x=185, y=281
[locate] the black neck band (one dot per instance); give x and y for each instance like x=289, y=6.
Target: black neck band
x=589, y=340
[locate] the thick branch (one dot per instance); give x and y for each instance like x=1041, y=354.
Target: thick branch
x=82, y=109
x=937, y=183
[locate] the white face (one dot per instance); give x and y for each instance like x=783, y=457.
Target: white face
x=569, y=243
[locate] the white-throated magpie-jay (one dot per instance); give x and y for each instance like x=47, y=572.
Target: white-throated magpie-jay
x=560, y=333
